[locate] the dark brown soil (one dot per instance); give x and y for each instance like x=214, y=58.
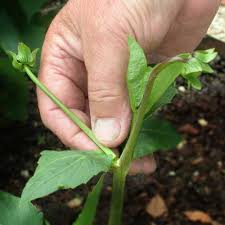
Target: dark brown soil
x=188, y=178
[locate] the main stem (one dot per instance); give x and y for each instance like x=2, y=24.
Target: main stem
x=119, y=178
x=120, y=173
x=138, y=118
x=68, y=112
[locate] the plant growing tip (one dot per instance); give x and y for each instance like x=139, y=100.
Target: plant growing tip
x=24, y=57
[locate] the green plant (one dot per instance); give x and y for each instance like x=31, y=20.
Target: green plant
x=22, y=22
x=149, y=89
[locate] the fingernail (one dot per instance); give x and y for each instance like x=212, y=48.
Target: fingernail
x=107, y=129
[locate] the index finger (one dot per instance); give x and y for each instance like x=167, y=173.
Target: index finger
x=65, y=76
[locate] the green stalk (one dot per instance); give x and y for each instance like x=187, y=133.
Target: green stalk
x=68, y=112
x=138, y=118
x=116, y=210
x=120, y=173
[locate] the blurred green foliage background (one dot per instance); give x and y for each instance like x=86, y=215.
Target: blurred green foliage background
x=20, y=21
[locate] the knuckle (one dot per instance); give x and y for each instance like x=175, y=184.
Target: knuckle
x=104, y=94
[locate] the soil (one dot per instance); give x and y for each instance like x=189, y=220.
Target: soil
x=190, y=177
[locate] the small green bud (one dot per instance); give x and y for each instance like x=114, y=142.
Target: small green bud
x=24, y=57
x=206, y=56
x=195, y=65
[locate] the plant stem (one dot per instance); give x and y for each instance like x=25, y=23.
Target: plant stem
x=120, y=173
x=119, y=178
x=138, y=118
x=69, y=113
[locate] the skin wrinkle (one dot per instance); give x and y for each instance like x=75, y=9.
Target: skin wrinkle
x=68, y=17
x=57, y=68
x=129, y=16
x=133, y=21
x=144, y=36
x=70, y=138
x=79, y=104
x=103, y=97
x=68, y=37
x=115, y=29
x=115, y=25
x=56, y=60
x=98, y=74
x=97, y=50
x=143, y=18
x=67, y=80
x=69, y=44
x=98, y=94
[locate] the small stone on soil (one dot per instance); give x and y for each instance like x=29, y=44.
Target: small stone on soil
x=75, y=203
x=202, y=122
x=172, y=173
x=25, y=173
x=156, y=207
x=182, y=89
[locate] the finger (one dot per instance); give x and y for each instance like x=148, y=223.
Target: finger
x=106, y=59
x=146, y=165
x=65, y=76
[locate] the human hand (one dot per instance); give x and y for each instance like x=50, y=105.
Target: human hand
x=85, y=57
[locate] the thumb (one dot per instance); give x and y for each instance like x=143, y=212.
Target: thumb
x=106, y=60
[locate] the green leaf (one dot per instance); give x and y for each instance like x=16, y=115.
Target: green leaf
x=31, y=7
x=156, y=134
x=205, y=56
x=163, y=81
x=194, y=81
x=206, y=68
x=13, y=92
x=195, y=66
x=137, y=73
x=13, y=213
x=192, y=66
x=87, y=215
x=62, y=170
x=165, y=99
